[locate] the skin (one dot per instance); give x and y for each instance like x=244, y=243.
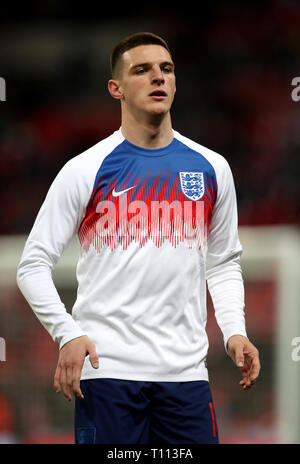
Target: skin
x=246, y=357
x=146, y=122
x=69, y=366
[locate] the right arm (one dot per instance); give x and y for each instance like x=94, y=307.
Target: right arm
x=56, y=223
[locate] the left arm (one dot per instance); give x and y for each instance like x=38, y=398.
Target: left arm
x=224, y=277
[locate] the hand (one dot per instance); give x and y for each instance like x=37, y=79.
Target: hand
x=246, y=357
x=69, y=366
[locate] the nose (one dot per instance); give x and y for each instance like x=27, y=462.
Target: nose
x=157, y=77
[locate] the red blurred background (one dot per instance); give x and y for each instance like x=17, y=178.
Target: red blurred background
x=234, y=64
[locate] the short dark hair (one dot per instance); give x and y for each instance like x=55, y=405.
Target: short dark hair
x=132, y=41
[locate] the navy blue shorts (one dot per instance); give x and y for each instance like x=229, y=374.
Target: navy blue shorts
x=136, y=412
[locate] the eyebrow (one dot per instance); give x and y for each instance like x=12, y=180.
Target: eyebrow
x=164, y=63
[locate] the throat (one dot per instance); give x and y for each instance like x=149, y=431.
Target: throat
x=148, y=134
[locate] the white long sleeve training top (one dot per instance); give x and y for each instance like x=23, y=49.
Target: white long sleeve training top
x=154, y=226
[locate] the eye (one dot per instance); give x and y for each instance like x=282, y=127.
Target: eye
x=140, y=71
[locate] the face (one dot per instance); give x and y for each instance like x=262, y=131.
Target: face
x=147, y=81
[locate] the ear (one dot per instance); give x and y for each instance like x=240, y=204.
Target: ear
x=114, y=88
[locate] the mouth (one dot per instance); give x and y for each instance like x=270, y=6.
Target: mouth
x=158, y=94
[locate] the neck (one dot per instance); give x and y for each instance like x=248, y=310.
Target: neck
x=151, y=134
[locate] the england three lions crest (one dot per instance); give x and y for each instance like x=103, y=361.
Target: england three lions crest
x=192, y=185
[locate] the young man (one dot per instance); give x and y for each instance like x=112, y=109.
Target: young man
x=156, y=217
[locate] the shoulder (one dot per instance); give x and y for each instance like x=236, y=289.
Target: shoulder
x=76, y=178
x=217, y=160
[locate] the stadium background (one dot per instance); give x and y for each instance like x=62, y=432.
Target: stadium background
x=234, y=65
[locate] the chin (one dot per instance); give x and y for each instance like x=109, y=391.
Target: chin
x=159, y=110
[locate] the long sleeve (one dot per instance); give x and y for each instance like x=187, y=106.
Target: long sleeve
x=140, y=298
x=223, y=270
x=55, y=225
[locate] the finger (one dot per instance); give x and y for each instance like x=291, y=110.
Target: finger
x=239, y=358
x=69, y=377
x=56, y=382
x=247, y=379
x=245, y=386
x=247, y=382
x=76, y=382
x=93, y=357
x=63, y=381
x=251, y=370
x=255, y=369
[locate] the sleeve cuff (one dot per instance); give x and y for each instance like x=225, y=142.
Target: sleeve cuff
x=232, y=332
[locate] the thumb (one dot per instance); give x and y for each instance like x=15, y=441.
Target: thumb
x=93, y=357
x=239, y=358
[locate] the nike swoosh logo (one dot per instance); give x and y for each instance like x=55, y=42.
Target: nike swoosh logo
x=117, y=194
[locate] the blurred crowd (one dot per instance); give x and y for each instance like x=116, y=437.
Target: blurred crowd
x=234, y=63
x=234, y=74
